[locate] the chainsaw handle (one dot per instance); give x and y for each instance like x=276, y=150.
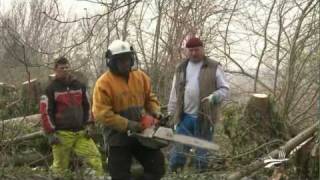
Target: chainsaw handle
x=165, y=120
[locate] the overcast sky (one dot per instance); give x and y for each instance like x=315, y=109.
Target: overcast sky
x=73, y=6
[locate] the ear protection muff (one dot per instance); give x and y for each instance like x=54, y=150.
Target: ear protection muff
x=108, y=55
x=133, y=56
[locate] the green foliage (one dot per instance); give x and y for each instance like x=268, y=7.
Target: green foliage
x=231, y=114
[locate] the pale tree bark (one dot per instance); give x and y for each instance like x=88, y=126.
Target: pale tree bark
x=287, y=148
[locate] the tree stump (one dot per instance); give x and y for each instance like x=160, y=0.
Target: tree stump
x=262, y=114
x=31, y=91
x=257, y=128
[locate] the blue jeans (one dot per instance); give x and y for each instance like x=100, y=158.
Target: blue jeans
x=189, y=125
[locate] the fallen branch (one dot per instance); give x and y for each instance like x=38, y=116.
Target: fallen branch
x=287, y=148
x=32, y=120
x=23, y=138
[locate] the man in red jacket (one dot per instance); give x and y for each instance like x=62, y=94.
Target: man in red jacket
x=64, y=114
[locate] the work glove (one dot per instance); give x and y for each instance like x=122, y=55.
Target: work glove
x=166, y=120
x=53, y=139
x=170, y=122
x=134, y=126
x=161, y=117
x=157, y=115
x=213, y=99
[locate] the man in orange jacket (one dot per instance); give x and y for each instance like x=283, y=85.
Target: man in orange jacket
x=121, y=96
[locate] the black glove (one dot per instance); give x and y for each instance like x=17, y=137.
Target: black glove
x=53, y=139
x=134, y=126
x=161, y=117
x=168, y=121
x=165, y=120
x=90, y=131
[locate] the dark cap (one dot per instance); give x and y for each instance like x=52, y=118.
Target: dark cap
x=194, y=42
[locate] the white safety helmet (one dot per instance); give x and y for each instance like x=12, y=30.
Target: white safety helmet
x=119, y=47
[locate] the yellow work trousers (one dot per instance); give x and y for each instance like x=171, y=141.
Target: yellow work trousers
x=81, y=145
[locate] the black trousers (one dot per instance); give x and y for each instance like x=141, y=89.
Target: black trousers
x=120, y=159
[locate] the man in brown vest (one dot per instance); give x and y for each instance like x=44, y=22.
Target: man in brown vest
x=198, y=88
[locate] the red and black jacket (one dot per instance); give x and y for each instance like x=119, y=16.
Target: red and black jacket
x=64, y=106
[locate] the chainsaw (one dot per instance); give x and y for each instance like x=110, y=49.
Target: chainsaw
x=157, y=135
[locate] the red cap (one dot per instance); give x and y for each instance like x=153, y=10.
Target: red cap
x=193, y=42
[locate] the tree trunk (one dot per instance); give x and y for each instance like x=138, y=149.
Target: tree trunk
x=31, y=91
x=259, y=124
x=24, y=138
x=288, y=147
x=31, y=120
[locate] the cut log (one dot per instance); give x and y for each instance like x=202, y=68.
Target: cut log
x=287, y=148
x=19, y=126
x=31, y=120
x=26, y=158
x=24, y=138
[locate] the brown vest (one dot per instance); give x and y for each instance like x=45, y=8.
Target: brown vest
x=207, y=114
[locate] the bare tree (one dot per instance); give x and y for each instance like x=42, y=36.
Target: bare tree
x=282, y=44
x=160, y=46
x=29, y=40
